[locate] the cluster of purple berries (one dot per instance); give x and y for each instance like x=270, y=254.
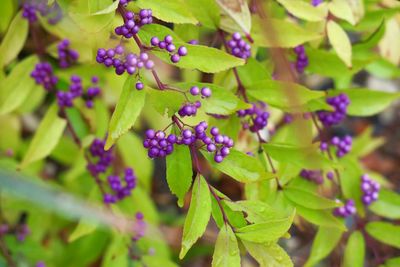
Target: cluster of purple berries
x=347, y=210
x=30, y=9
x=316, y=2
x=370, y=189
x=124, y=2
x=133, y=23
x=20, y=231
x=119, y=190
x=131, y=63
x=339, y=103
x=168, y=45
x=257, y=117
x=66, y=55
x=159, y=145
x=238, y=47
x=301, y=59
x=43, y=75
x=139, y=227
x=190, y=109
x=104, y=158
x=312, y=175
x=343, y=145
x=66, y=98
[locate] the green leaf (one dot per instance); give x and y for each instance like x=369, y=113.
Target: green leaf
x=136, y=158
x=268, y=254
x=365, y=143
x=179, y=172
x=206, y=11
x=237, y=12
x=7, y=11
x=46, y=137
x=340, y=42
x=393, y=262
x=240, y=166
x=82, y=229
x=342, y=9
x=126, y=112
x=153, y=261
x=198, y=216
x=282, y=95
x=308, y=199
x=304, y=10
x=253, y=71
x=148, y=31
x=111, y=8
x=256, y=211
x=174, y=11
x=14, y=39
x=290, y=34
x=322, y=218
x=203, y=58
x=324, y=242
x=116, y=253
x=226, y=253
x=267, y=231
x=385, y=232
x=388, y=205
x=366, y=102
x=222, y=101
x=305, y=157
x=165, y=101
x=355, y=250
x=17, y=86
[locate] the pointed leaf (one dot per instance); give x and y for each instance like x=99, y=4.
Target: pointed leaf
x=268, y=254
x=206, y=11
x=304, y=10
x=385, y=232
x=322, y=218
x=308, y=199
x=355, y=250
x=238, y=11
x=198, y=216
x=46, y=137
x=340, y=42
x=14, y=39
x=179, y=172
x=324, y=242
x=226, y=253
x=387, y=205
x=342, y=10
x=126, y=112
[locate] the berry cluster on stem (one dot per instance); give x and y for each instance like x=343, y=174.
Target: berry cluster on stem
x=347, y=210
x=238, y=46
x=339, y=103
x=168, y=45
x=370, y=190
x=133, y=22
x=301, y=59
x=255, y=118
x=44, y=76
x=66, y=55
x=343, y=145
x=190, y=108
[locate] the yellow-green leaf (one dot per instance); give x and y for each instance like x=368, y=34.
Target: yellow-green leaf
x=340, y=42
x=226, y=253
x=305, y=10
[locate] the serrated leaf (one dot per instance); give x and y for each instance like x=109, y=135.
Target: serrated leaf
x=46, y=137
x=14, y=39
x=17, y=86
x=268, y=254
x=304, y=10
x=206, y=12
x=179, y=172
x=198, y=216
x=322, y=218
x=342, y=9
x=222, y=101
x=385, y=232
x=387, y=205
x=165, y=101
x=305, y=157
x=126, y=112
x=367, y=102
x=282, y=95
x=324, y=242
x=308, y=199
x=340, y=42
x=256, y=211
x=174, y=11
x=226, y=253
x=240, y=166
x=203, y=58
x=265, y=232
x=238, y=11
x=355, y=250
x=290, y=34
